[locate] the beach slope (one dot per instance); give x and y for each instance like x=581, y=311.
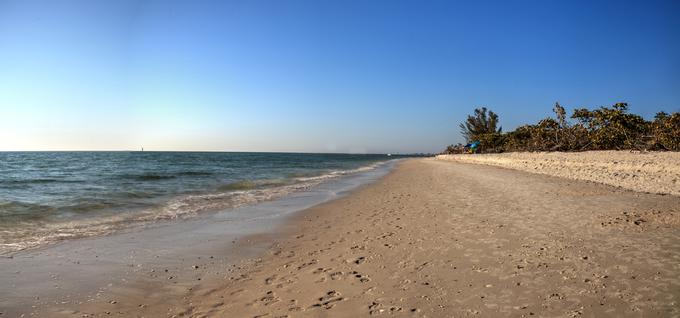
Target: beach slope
x=448, y=239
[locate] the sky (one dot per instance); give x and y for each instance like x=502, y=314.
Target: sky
x=318, y=76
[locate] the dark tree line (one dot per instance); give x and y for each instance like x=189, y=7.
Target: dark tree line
x=604, y=128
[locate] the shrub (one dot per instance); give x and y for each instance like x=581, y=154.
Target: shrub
x=666, y=131
x=491, y=142
x=518, y=140
x=612, y=128
x=451, y=149
x=605, y=128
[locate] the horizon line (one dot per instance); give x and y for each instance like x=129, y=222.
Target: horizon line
x=227, y=151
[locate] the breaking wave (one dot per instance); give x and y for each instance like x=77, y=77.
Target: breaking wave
x=18, y=232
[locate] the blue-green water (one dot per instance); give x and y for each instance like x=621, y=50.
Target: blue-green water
x=51, y=196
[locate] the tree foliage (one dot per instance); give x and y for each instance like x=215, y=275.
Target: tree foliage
x=604, y=128
x=666, y=131
x=612, y=128
x=479, y=123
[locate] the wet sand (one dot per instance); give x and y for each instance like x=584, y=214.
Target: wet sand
x=155, y=266
x=440, y=239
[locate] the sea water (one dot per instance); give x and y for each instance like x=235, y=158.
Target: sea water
x=52, y=196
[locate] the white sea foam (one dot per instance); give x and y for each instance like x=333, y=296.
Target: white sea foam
x=30, y=235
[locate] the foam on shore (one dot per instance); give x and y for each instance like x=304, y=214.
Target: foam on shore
x=19, y=236
x=653, y=172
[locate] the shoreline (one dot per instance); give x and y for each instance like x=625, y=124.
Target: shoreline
x=436, y=239
x=76, y=272
x=17, y=236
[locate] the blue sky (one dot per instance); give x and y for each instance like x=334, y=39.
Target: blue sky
x=318, y=76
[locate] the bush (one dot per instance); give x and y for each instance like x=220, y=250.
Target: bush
x=666, y=131
x=518, y=140
x=605, y=128
x=451, y=149
x=612, y=128
x=491, y=142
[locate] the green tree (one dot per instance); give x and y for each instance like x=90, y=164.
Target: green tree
x=604, y=128
x=612, y=128
x=480, y=123
x=666, y=131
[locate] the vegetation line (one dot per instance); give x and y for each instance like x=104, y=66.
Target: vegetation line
x=605, y=128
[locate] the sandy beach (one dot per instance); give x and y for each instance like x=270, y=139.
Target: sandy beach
x=441, y=239
x=293, y=159
x=653, y=172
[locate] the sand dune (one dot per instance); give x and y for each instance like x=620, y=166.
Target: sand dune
x=446, y=239
x=654, y=172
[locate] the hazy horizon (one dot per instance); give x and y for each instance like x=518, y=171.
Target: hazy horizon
x=318, y=76
x=224, y=151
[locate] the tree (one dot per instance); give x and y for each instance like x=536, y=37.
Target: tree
x=561, y=115
x=612, y=128
x=666, y=131
x=480, y=123
x=603, y=128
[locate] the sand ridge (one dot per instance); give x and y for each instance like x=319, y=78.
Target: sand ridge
x=654, y=172
x=446, y=239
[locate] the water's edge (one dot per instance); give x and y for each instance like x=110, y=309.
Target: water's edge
x=35, y=234
x=77, y=270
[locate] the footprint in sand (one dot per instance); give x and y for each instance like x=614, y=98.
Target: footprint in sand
x=268, y=299
x=328, y=301
x=362, y=278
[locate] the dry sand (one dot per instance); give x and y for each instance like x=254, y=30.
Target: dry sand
x=446, y=239
x=654, y=172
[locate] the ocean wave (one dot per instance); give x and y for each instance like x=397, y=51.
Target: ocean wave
x=158, y=176
x=338, y=173
x=90, y=205
x=195, y=173
x=13, y=209
x=148, y=177
x=253, y=184
x=132, y=194
x=37, y=181
x=294, y=175
x=15, y=236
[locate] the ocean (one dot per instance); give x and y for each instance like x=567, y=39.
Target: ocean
x=47, y=197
